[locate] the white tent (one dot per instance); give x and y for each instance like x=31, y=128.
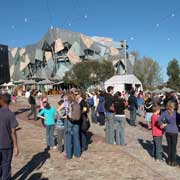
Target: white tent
x=124, y=82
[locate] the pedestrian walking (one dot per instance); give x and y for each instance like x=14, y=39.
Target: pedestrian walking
x=8, y=137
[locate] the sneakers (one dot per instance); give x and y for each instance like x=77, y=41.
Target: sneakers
x=53, y=148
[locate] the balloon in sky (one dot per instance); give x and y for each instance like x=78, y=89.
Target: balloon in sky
x=25, y=20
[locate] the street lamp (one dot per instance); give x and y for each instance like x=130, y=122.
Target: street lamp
x=124, y=46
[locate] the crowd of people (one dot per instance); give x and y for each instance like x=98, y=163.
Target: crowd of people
x=70, y=120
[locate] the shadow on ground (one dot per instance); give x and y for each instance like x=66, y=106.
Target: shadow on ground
x=20, y=111
x=148, y=146
x=37, y=176
x=143, y=125
x=35, y=163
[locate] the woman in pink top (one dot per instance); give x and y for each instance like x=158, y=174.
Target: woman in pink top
x=157, y=133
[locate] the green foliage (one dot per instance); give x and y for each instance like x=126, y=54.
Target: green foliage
x=173, y=71
x=89, y=72
x=148, y=71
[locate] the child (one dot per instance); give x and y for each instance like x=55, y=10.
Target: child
x=49, y=114
x=60, y=125
x=157, y=133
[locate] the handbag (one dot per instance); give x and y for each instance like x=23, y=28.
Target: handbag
x=85, y=125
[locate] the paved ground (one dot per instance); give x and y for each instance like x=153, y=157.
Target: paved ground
x=101, y=161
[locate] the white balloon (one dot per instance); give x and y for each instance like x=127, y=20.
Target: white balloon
x=25, y=20
x=85, y=16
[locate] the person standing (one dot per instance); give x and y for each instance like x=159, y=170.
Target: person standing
x=100, y=108
x=119, y=105
x=72, y=127
x=140, y=103
x=8, y=137
x=148, y=109
x=81, y=99
x=32, y=102
x=60, y=125
x=132, y=106
x=109, y=107
x=169, y=117
x=157, y=133
x=49, y=113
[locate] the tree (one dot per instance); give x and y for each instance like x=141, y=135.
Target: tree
x=148, y=71
x=89, y=72
x=173, y=71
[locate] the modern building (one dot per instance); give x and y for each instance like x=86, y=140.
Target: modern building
x=59, y=50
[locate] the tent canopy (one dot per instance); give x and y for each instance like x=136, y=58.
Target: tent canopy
x=123, y=79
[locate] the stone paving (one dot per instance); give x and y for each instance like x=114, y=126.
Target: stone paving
x=100, y=162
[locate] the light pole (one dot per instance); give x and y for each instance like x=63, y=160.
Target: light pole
x=124, y=46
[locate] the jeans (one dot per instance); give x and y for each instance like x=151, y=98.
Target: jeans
x=33, y=111
x=157, y=147
x=101, y=118
x=84, y=141
x=50, y=135
x=119, y=129
x=93, y=115
x=133, y=117
x=72, y=139
x=109, y=133
x=140, y=110
x=172, y=143
x=5, y=163
x=60, y=137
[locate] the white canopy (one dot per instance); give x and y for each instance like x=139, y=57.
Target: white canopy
x=120, y=81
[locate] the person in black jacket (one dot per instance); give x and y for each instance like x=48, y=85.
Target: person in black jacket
x=109, y=108
x=32, y=102
x=132, y=102
x=119, y=105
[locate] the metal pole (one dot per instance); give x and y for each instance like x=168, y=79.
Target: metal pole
x=125, y=59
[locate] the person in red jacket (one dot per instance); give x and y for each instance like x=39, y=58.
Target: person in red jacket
x=157, y=133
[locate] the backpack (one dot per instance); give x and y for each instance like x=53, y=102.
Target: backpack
x=74, y=111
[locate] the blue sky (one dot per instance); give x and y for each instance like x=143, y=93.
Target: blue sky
x=150, y=26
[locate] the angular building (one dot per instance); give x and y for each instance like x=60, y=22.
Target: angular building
x=59, y=50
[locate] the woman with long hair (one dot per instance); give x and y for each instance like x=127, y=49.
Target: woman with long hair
x=72, y=126
x=169, y=119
